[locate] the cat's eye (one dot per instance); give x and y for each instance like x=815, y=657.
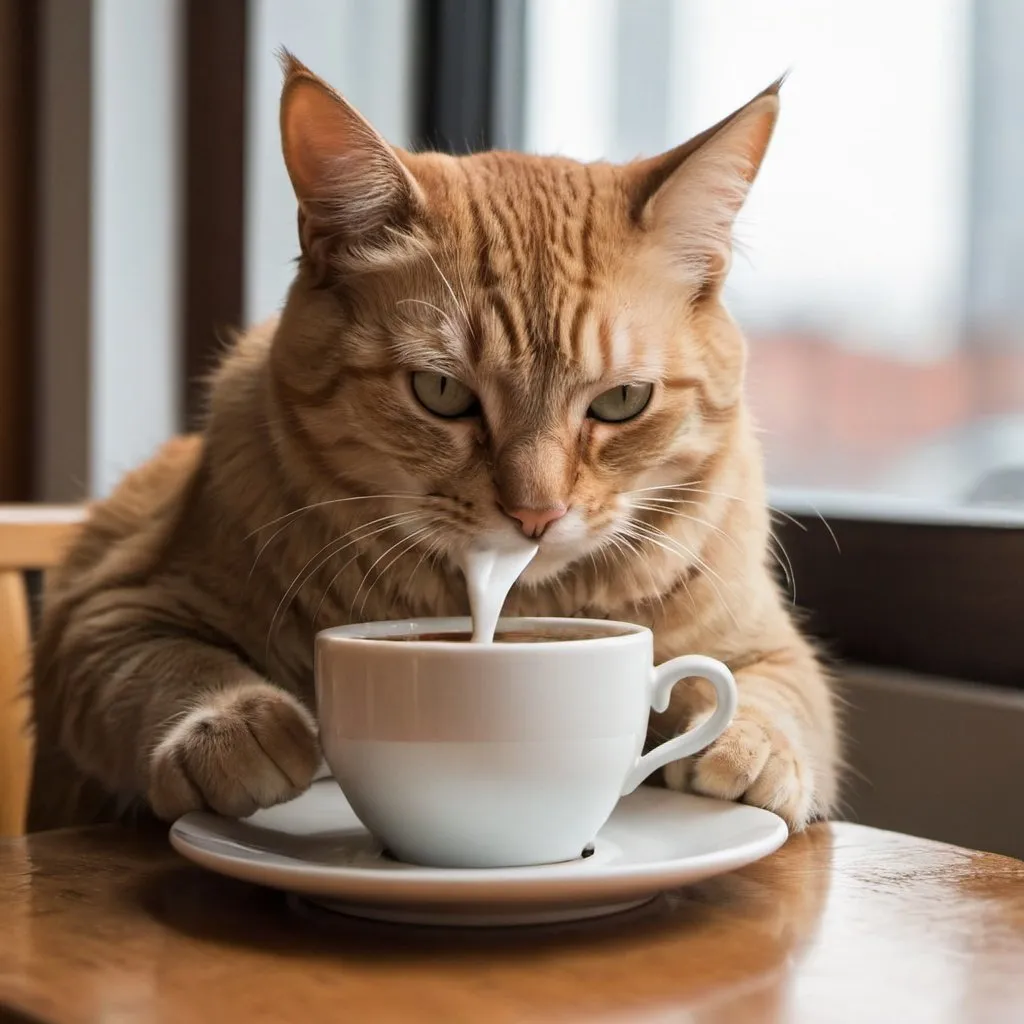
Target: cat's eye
x=443, y=396
x=621, y=403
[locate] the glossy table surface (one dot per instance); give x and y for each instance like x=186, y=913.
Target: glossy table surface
x=844, y=923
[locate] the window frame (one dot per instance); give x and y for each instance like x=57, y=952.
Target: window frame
x=930, y=597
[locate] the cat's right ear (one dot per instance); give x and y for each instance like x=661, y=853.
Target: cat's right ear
x=688, y=198
x=353, y=190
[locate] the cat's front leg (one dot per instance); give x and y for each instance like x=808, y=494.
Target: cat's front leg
x=237, y=750
x=182, y=724
x=780, y=751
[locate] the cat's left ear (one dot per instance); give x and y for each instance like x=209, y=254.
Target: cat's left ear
x=352, y=186
x=688, y=198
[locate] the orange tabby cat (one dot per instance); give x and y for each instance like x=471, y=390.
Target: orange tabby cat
x=472, y=346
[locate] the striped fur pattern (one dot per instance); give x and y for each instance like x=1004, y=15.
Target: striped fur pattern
x=174, y=662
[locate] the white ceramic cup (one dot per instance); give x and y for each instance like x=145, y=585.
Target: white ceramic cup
x=497, y=755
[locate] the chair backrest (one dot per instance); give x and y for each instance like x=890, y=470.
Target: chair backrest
x=31, y=537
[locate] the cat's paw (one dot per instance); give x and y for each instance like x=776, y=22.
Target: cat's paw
x=753, y=761
x=241, y=749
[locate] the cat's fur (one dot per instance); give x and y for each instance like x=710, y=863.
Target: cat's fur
x=174, y=660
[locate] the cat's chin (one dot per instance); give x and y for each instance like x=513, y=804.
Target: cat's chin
x=551, y=561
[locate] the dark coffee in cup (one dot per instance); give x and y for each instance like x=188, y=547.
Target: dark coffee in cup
x=508, y=636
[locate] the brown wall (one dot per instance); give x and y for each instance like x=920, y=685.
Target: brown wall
x=935, y=758
x=17, y=155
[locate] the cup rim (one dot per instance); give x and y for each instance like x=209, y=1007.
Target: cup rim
x=369, y=635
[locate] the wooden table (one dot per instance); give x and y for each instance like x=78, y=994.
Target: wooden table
x=843, y=924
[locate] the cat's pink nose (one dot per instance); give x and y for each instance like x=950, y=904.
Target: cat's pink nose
x=534, y=521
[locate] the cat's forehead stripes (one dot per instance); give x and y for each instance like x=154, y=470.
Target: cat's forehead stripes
x=529, y=225
x=530, y=245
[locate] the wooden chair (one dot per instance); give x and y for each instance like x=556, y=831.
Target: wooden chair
x=31, y=537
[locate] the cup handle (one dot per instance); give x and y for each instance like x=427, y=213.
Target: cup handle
x=663, y=678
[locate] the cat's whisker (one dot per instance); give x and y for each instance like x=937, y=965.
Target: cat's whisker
x=693, y=519
x=624, y=548
x=673, y=501
x=402, y=540
x=292, y=517
x=673, y=546
x=638, y=555
x=416, y=538
x=792, y=519
x=611, y=560
x=396, y=521
x=782, y=515
x=663, y=506
x=302, y=577
x=446, y=319
x=619, y=558
x=332, y=501
x=655, y=534
x=784, y=561
x=825, y=523
x=714, y=586
x=462, y=284
x=440, y=273
x=413, y=517
x=655, y=587
x=786, y=566
x=457, y=264
x=430, y=542
x=393, y=515
x=771, y=508
x=427, y=305
x=659, y=487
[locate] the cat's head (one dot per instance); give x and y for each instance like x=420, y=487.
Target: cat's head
x=509, y=343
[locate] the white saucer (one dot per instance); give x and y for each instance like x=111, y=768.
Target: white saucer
x=316, y=847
